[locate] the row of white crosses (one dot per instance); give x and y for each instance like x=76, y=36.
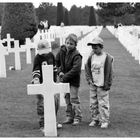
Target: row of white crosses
x=129, y=41
x=5, y=51
x=17, y=49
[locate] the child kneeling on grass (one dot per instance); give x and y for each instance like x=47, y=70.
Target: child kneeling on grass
x=99, y=74
x=44, y=56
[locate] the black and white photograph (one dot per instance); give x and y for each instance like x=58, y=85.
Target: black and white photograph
x=69, y=69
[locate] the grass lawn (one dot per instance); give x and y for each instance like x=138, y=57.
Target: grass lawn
x=18, y=110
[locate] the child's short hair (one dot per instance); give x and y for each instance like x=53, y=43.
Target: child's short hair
x=72, y=37
x=43, y=47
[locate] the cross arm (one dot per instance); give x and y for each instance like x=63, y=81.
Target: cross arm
x=61, y=88
x=35, y=89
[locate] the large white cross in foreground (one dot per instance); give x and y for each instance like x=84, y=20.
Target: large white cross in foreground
x=48, y=88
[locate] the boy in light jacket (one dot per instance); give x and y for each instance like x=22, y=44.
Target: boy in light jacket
x=99, y=75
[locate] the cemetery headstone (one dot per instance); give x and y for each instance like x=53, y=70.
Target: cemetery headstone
x=3, y=52
x=48, y=88
x=17, y=51
x=28, y=46
x=8, y=40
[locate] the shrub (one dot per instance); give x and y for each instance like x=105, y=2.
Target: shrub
x=19, y=20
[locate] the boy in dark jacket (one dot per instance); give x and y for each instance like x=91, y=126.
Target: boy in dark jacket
x=44, y=56
x=68, y=62
x=99, y=74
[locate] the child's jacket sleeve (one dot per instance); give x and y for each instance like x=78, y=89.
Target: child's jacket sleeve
x=88, y=73
x=36, y=69
x=58, y=63
x=109, y=72
x=76, y=68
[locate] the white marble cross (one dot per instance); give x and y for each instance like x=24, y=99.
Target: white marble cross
x=28, y=45
x=28, y=51
x=17, y=51
x=3, y=52
x=48, y=88
x=62, y=40
x=8, y=40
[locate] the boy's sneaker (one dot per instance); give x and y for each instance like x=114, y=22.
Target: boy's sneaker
x=104, y=125
x=94, y=123
x=76, y=122
x=68, y=121
x=59, y=125
x=42, y=129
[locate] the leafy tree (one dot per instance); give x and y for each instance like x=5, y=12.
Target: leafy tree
x=66, y=18
x=137, y=13
x=85, y=15
x=114, y=10
x=1, y=11
x=60, y=13
x=46, y=11
x=19, y=20
x=92, y=18
x=127, y=19
x=75, y=15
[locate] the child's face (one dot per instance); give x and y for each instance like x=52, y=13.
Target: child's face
x=70, y=44
x=97, y=49
x=43, y=52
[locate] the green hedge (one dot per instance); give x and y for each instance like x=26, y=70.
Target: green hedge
x=19, y=20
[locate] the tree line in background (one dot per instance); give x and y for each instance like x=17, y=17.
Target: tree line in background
x=106, y=13
x=113, y=13
x=57, y=14
x=21, y=19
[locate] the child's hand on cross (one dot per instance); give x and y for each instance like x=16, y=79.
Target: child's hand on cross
x=90, y=82
x=35, y=81
x=61, y=74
